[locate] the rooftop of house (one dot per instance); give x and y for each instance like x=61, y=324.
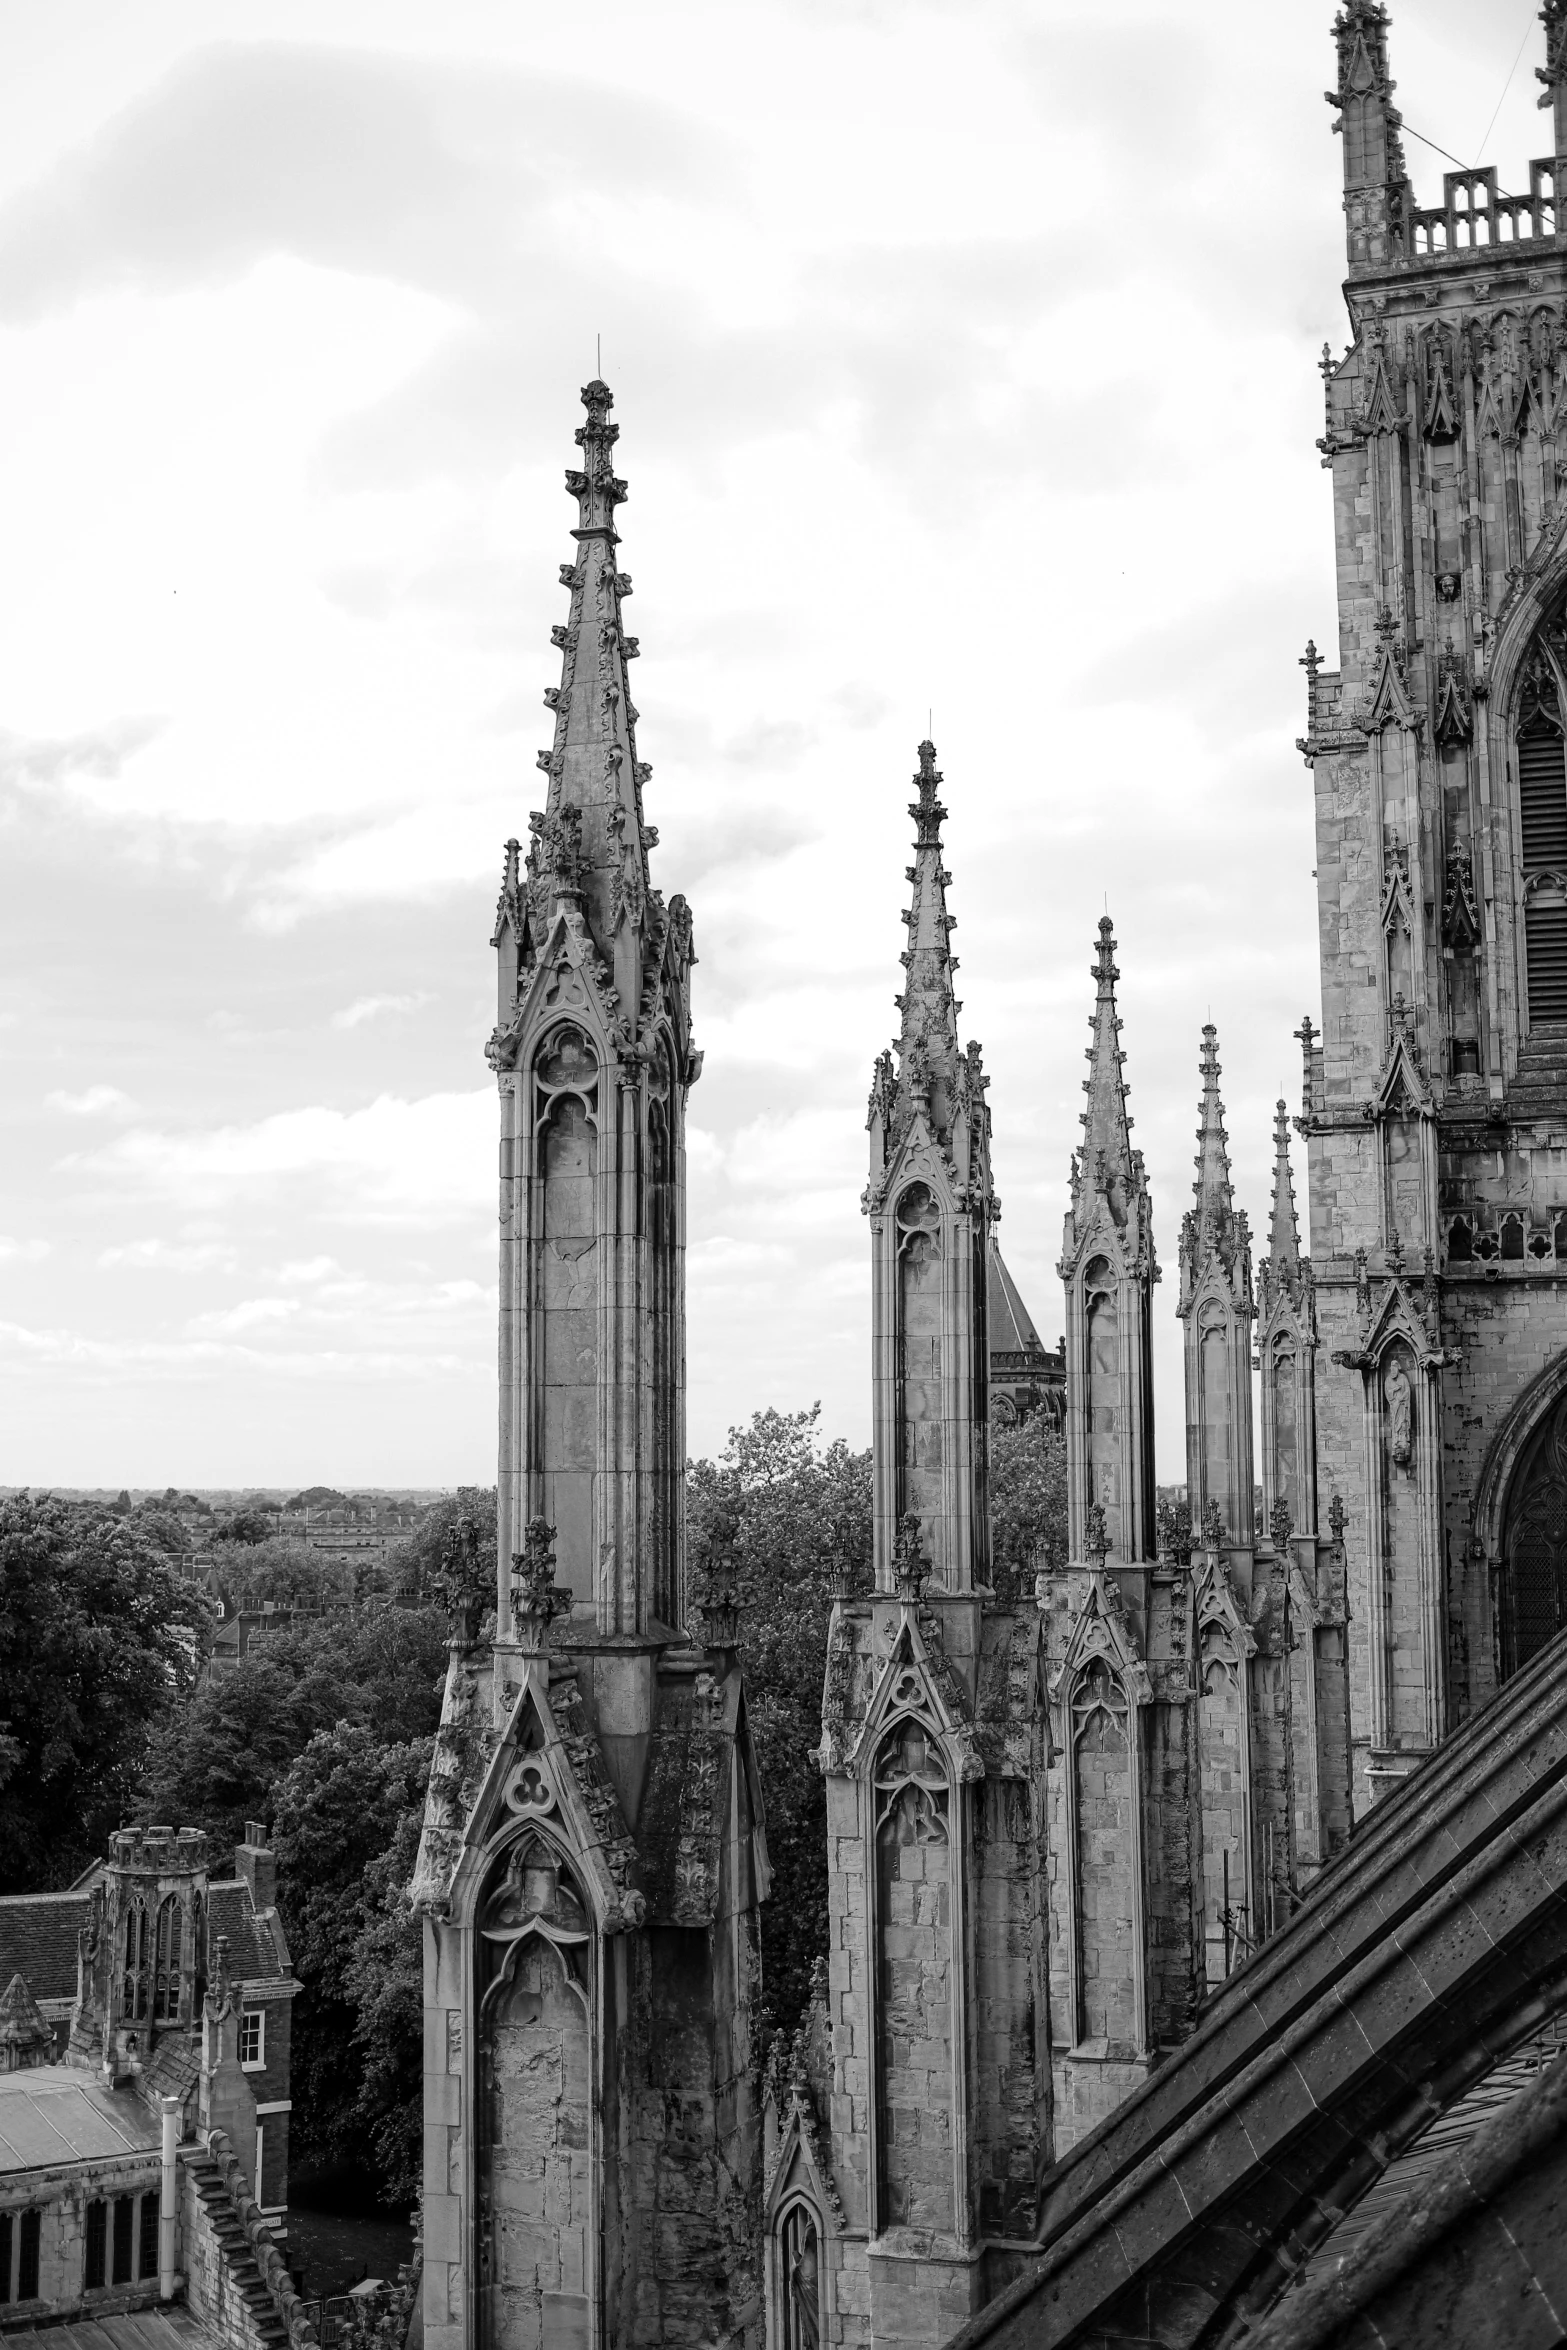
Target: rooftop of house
x=38, y=1935
x=54, y=2113
x=173, y=2328
x=38, y=1939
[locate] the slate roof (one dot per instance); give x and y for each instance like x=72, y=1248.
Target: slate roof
x=38, y=1939
x=256, y=1947
x=53, y=2113
x=174, y=2328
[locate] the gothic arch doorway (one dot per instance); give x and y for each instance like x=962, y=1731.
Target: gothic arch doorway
x=1534, y=1556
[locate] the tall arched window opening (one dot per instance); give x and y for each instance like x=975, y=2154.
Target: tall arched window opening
x=1534, y=1591
x=1542, y=812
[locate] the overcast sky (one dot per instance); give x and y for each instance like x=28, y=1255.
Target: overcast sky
x=965, y=360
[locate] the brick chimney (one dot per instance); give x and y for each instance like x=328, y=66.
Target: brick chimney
x=256, y=1862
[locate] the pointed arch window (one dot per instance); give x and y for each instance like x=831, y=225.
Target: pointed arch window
x=799, y=2279
x=134, y=1998
x=169, y=1955
x=1542, y=818
x=1534, y=1601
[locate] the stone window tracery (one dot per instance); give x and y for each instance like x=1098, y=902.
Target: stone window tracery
x=135, y=1991
x=169, y=1952
x=800, y=2278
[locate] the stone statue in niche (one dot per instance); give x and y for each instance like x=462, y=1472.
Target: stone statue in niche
x=1400, y=1397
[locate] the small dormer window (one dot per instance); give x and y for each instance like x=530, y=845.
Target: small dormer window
x=252, y=2039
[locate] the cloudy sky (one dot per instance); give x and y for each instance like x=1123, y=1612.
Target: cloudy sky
x=965, y=363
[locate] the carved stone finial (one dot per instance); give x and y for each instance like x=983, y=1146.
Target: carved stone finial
x=1337, y=1519
x=536, y=1598
x=1281, y=1525
x=910, y=1566
x=799, y=2063
x=718, y=1612
x=927, y=810
x=1212, y=1527
x=1096, y=1534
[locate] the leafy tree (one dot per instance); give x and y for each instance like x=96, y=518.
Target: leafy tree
x=386, y=1983
x=1028, y=1505
x=98, y=1639
x=244, y=1526
x=287, y=1572
x=788, y=1511
x=216, y=1765
x=160, y=1526
x=346, y=1829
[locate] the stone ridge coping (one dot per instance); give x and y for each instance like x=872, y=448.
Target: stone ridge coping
x=1278, y=1988
x=1407, y=2237
x=274, y=2270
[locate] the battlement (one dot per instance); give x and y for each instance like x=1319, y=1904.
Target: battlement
x=158, y=1852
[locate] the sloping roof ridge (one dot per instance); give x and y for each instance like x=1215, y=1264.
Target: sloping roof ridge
x=1024, y=1335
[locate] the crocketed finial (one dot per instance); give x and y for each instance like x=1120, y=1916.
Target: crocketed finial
x=927, y=810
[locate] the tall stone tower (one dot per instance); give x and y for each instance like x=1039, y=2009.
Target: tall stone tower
x=1435, y=1104
x=593, y=1850
x=933, y=1746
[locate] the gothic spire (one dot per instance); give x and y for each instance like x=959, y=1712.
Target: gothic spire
x=928, y=1036
x=1284, y=1223
x=934, y=1074
x=1211, y=1227
x=590, y=842
x=1109, y=1164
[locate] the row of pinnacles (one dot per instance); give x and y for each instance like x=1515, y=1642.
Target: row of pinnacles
x=1053, y=1825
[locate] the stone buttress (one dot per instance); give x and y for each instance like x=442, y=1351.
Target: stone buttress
x=593, y=1851
x=1244, y=1626
x=1124, y=1825
x=1312, y=1557
x=1435, y=1109
x=932, y=1742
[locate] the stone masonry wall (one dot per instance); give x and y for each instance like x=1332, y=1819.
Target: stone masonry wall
x=914, y=2022
x=1009, y=2071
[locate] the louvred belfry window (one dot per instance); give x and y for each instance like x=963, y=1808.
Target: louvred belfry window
x=1542, y=807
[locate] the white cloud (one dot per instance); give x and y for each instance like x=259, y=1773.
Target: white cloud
x=22, y=1252
x=393, y=1161
x=250, y=1313
x=98, y=1101
x=372, y=1007
x=168, y=1256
